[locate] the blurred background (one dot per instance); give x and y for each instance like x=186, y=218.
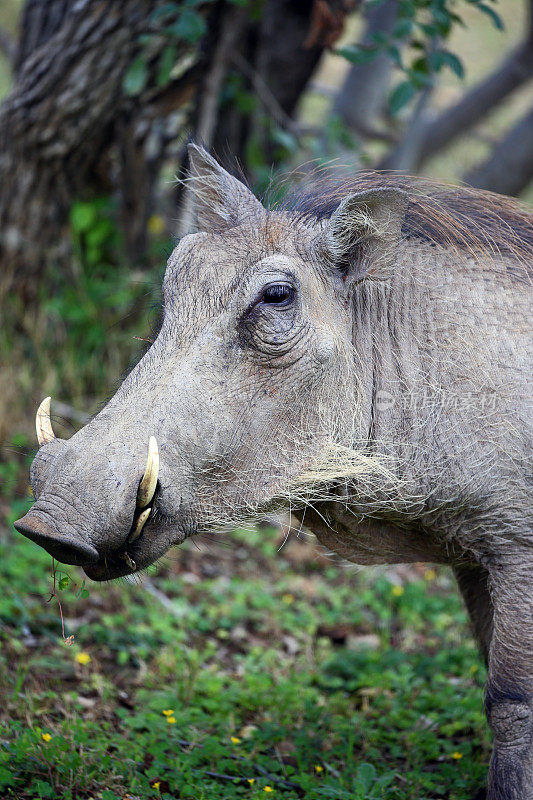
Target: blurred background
x=97, y=103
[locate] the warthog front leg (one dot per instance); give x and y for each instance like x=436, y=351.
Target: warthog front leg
x=509, y=691
x=473, y=582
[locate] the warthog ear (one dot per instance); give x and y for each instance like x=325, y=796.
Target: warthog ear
x=221, y=200
x=362, y=236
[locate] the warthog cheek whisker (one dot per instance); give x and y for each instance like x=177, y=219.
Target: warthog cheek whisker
x=129, y=561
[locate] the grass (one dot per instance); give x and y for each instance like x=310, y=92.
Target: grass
x=262, y=671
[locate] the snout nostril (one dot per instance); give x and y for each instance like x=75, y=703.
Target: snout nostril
x=65, y=548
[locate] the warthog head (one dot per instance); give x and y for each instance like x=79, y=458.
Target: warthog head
x=246, y=398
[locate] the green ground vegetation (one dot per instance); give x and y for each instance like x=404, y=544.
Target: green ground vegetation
x=237, y=670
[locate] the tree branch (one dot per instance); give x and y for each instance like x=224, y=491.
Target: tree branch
x=478, y=102
x=360, y=100
x=264, y=93
x=232, y=26
x=7, y=46
x=509, y=168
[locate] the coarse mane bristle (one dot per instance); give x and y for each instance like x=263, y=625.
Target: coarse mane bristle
x=482, y=223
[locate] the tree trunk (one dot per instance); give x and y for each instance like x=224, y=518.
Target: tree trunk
x=58, y=121
x=7, y=47
x=509, y=169
x=40, y=20
x=361, y=99
x=276, y=63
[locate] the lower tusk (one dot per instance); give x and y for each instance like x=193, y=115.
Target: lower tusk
x=146, y=489
x=130, y=562
x=43, y=424
x=139, y=525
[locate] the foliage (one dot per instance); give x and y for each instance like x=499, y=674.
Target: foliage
x=79, y=336
x=416, y=44
x=273, y=672
x=174, y=29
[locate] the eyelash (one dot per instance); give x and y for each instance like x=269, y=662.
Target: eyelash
x=279, y=294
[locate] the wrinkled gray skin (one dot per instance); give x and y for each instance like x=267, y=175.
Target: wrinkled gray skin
x=243, y=394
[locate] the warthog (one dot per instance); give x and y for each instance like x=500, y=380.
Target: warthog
x=360, y=354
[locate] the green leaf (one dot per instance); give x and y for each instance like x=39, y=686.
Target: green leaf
x=82, y=217
x=357, y=55
x=451, y=61
x=378, y=38
x=394, y=53
x=63, y=583
x=190, y=27
x=167, y=59
x=107, y=794
x=285, y=139
x=400, y=96
x=165, y=11
x=442, y=20
x=136, y=77
x=403, y=28
x=82, y=591
x=366, y=775
x=497, y=20
x=420, y=66
x=44, y=789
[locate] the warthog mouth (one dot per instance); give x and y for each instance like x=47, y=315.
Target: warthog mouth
x=134, y=556
x=149, y=536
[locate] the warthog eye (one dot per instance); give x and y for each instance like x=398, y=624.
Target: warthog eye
x=280, y=294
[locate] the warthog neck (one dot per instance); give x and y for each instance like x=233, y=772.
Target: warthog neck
x=429, y=344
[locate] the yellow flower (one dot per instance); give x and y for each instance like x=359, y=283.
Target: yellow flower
x=45, y=737
x=397, y=591
x=288, y=599
x=430, y=574
x=251, y=780
x=235, y=740
x=457, y=755
x=168, y=712
x=318, y=768
x=171, y=720
x=156, y=785
x=156, y=225
x=83, y=659
x=268, y=789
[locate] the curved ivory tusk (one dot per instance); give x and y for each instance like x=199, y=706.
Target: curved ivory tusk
x=146, y=489
x=139, y=525
x=43, y=424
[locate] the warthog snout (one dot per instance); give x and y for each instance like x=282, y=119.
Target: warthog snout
x=67, y=548
x=62, y=523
